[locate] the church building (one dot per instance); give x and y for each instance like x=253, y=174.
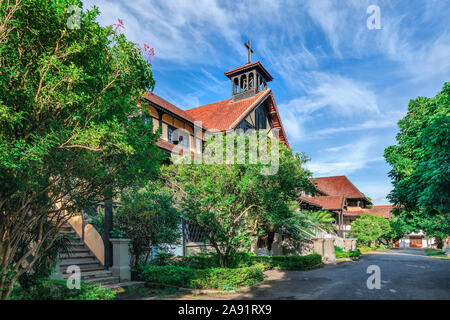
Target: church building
x=251, y=106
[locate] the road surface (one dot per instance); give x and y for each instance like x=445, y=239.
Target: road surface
x=405, y=274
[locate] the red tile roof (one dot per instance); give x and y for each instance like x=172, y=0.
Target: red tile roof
x=223, y=115
x=337, y=186
x=168, y=106
x=326, y=202
x=381, y=211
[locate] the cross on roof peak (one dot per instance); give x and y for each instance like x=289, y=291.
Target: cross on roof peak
x=250, y=50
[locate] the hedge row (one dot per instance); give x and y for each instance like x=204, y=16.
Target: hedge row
x=210, y=278
x=204, y=261
x=291, y=262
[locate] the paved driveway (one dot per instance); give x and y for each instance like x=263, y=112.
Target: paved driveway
x=405, y=274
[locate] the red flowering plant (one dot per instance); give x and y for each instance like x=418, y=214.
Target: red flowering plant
x=118, y=25
x=147, y=52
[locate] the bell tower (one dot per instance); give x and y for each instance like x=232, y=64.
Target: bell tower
x=249, y=79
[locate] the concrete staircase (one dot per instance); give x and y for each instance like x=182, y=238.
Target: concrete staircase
x=92, y=271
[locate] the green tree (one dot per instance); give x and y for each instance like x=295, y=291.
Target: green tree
x=236, y=201
x=70, y=135
x=421, y=164
x=148, y=218
x=322, y=219
x=370, y=228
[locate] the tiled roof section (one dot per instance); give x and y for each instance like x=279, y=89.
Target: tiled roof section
x=327, y=202
x=337, y=186
x=381, y=211
x=223, y=114
x=168, y=106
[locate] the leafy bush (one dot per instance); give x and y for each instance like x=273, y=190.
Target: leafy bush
x=50, y=289
x=347, y=254
x=338, y=249
x=168, y=275
x=98, y=221
x=364, y=249
x=201, y=278
x=296, y=262
x=225, y=277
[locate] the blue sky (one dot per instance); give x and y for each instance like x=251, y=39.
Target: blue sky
x=340, y=87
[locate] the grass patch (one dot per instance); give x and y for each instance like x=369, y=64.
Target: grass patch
x=436, y=253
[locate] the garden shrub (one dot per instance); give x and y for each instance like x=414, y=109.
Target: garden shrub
x=347, y=254
x=168, y=275
x=201, y=278
x=51, y=289
x=296, y=262
x=226, y=277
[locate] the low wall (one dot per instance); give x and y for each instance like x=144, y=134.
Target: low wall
x=349, y=244
x=193, y=248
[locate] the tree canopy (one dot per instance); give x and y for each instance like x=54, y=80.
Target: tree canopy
x=236, y=201
x=421, y=164
x=70, y=132
x=369, y=228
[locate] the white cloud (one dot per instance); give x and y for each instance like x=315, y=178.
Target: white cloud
x=379, y=123
x=345, y=159
x=377, y=191
x=340, y=95
x=180, y=31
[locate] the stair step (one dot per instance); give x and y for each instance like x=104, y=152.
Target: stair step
x=83, y=267
x=67, y=231
x=73, y=255
x=78, y=246
x=85, y=275
x=78, y=250
x=90, y=269
x=87, y=260
x=76, y=243
x=103, y=280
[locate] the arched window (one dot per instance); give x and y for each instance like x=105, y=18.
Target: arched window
x=235, y=85
x=243, y=83
x=251, y=81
